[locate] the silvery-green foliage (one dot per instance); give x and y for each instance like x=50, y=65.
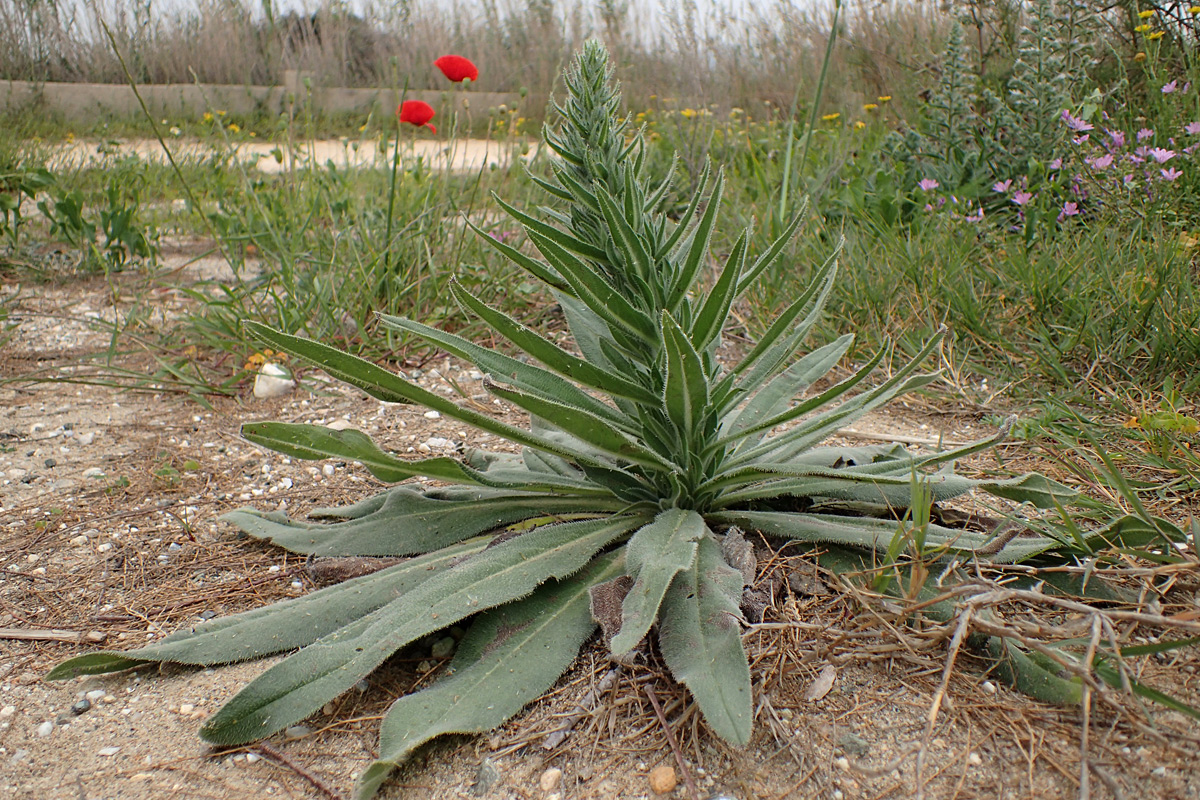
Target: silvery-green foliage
x=643, y=449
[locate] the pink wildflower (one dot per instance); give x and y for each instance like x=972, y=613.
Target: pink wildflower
x=1117, y=137
x=1101, y=163
x=1002, y=186
x=1192, y=128
x=1168, y=88
x=1144, y=134
x=1075, y=123
x=928, y=185
x=1069, y=209
x=1169, y=174
x=1162, y=155
x=1056, y=164
x=1021, y=198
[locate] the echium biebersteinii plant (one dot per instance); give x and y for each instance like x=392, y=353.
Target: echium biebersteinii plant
x=645, y=457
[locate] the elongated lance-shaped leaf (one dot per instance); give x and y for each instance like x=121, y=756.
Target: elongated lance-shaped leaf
x=552, y=355
x=781, y=340
x=701, y=239
x=701, y=640
x=543, y=272
x=877, y=534
x=809, y=405
x=768, y=259
x=712, y=315
x=410, y=521
x=313, y=442
x=302, y=683
x=685, y=392
x=775, y=397
x=528, y=377
x=654, y=556
x=1034, y=674
x=637, y=259
x=583, y=424
x=279, y=627
x=509, y=657
x=685, y=219
x=385, y=385
x=595, y=290
x=561, y=238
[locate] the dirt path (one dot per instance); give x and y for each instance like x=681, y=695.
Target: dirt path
x=108, y=529
x=460, y=155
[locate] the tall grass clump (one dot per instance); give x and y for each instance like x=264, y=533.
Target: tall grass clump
x=646, y=458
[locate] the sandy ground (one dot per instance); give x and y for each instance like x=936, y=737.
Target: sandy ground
x=460, y=155
x=109, y=536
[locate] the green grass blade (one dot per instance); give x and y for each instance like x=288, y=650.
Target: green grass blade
x=712, y=315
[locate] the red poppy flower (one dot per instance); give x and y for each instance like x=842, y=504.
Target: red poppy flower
x=457, y=68
x=416, y=112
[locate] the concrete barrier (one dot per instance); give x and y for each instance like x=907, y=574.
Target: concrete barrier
x=89, y=102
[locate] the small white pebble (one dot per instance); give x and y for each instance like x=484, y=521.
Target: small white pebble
x=45, y=729
x=974, y=759
x=8, y=712
x=432, y=415
x=108, y=751
x=842, y=763
x=327, y=470
x=988, y=687
x=186, y=708
x=1159, y=772
x=252, y=758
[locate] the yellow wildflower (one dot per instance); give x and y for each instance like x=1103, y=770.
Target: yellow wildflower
x=870, y=106
x=735, y=112
x=1131, y=423
x=1155, y=35
x=883, y=98
x=70, y=137
x=235, y=128
x=831, y=117
x=688, y=113
x=1194, y=10
x=1145, y=26
x=362, y=127
x=1140, y=57
x=220, y=113
x=859, y=125
x=252, y=134
x=1147, y=14
x=208, y=117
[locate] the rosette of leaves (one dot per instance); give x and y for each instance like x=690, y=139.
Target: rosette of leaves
x=644, y=456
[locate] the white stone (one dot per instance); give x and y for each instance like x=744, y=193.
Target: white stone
x=272, y=381
x=340, y=425
x=93, y=472
x=108, y=751
x=45, y=729
x=8, y=712
x=86, y=438
x=327, y=470
x=432, y=415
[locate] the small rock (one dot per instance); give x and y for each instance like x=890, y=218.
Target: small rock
x=663, y=780
x=51, y=463
x=974, y=759
x=93, y=472
x=86, y=438
x=94, y=695
x=432, y=415
x=19, y=756
x=108, y=751
x=988, y=687
x=486, y=777
x=45, y=729
x=297, y=731
x=551, y=779
x=82, y=707
x=186, y=708
x=443, y=648
x=272, y=381
x=1159, y=772
x=340, y=425
x=327, y=470
x=8, y=712
x=842, y=763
